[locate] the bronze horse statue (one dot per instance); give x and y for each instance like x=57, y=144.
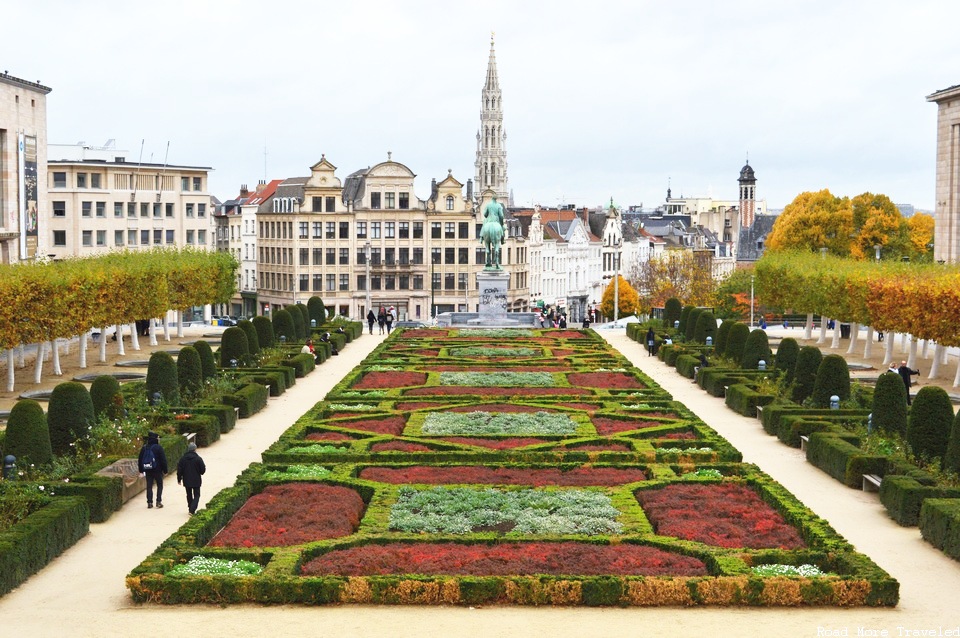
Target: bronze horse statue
x=492, y=234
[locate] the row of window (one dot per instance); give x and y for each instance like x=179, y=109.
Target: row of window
x=130, y=237
x=95, y=180
x=158, y=209
x=377, y=230
x=386, y=257
x=390, y=200
x=341, y=283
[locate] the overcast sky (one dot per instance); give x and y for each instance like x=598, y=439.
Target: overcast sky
x=601, y=99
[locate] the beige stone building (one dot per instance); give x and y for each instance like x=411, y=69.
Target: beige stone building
x=947, y=211
x=100, y=199
x=368, y=241
x=23, y=168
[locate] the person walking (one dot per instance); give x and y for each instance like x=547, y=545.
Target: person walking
x=190, y=469
x=389, y=320
x=651, y=340
x=382, y=319
x=152, y=464
x=371, y=319
x=905, y=374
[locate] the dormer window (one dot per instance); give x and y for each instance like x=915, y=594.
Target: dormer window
x=449, y=202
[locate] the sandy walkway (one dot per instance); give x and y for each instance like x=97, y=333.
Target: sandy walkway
x=82, y=592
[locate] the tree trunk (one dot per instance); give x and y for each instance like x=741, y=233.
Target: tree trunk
x=903, y=342
x=808, y=327
x=21, y=359
x=166, y=326
x=868, y=348
x=11, y=373
x=38, y=369
x=935, y=366
x=153, y=332
x=83, y=351
x=836, y=335
x=923, y=351
x=888, y=353
x=854, y=332
x=944, y=356
x=823, y=331
x=55, y=348
x=119, y=333
x=912, y=359
x=179, y=324
x=134, y=336
x=103, y=345
x=956, y=377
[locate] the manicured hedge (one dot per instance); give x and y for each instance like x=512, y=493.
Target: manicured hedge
x=205, y=426
x=940, y=525
x=302, y=364
x=250, y=398
x=743, y=399
x=903, y=497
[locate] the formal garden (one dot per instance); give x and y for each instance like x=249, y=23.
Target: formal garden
x=517, y=466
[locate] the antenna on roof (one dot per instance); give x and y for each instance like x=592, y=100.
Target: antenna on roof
x=136, y=176
x=162, y=170
x=264, y=159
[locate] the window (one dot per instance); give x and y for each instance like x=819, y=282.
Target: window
x=361, y=257
x=361, y=230
x=435, y=230
x=435, y=281
x=344, y=256
x=390, y=282
x=448, y=281
x=449, y=202
x=201, y=210
x=304, y=256
x=145, y=237
x=118, y=209
x=331, y=256
x=317, y=256
x=169, y=236
x=404, y=282
x=404, y=230
x=59, y=209
x=418, y=230
x=202, y=237
x=189, y=210
x=331, y=204
x=131, y=209
x=375, y=282
x=82, y=183
x=157, y=210
x=375, y=256
x=481, y=257
x=184, y=183
x=196, y=183
x=374, y=230
x=131, y=238
x=157, y=236
x=59, y=180
x=190, y=237
x=344, y=282
x=404, y=256
x=344, y=232
x=118, y=238
x=317, y=282
x=144, y=209
x=435, y=256
x=169, y=210
x=331, y=282
x=59, y=238
x=463, y=255
x=304, y=283
x=86, y=208
x=462, y=281
x=388, y=230
x=375, y=200
x=317, y=229
x=390, y=256
x=448, y=230
x=478, y=227
x=390, y=200
x=417, y=256
x=361, y=282
x=404, y=201
x=94, y=180
x=316, y=204
x=418, y=282
x=463, y=230
x=449, y=256
x=304, y=230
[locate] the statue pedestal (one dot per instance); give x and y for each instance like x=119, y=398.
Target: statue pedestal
x=492, y=285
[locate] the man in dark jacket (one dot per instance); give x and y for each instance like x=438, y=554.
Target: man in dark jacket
x=905, y=374
x=190, y=470
x=155, y=473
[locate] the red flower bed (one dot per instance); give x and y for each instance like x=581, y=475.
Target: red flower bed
x=388, y=425
x=504, y=559
x=680, y=436
x=328, y=436
x=723, y=515
x=453, y=390
x=428, y=353
x=562, y=352
x=499, y=407
x=566, y=334
x=393, y=379
x=606, y=425
x=399, y=446
x=419, y=405
x=606, y=380
x=425, y=333
x=479, y=474
x=589, y=407
x=292, y=514
x=463, y=368
x=493, y=444
x=599, y=447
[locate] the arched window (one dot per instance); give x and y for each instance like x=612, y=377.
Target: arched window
x=449, y=202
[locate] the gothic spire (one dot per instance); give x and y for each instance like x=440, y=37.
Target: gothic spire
x=492, y=83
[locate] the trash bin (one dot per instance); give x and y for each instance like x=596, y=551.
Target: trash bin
x=844, y=330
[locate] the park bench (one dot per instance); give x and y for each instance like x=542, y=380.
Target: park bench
x=871, y=482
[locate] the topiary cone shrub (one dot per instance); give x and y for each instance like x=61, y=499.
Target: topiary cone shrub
x=233, y=345
x=208, y=363
x=189, y=371
x=265, y=334
x=706, y=327
x=805, y=373
x=316, y=310
x=102, y=392
x=27, y=436
x=162, y=378
x=253, y=340
x=931, y=419
x=755, y=349
x=299, y=329
x=69, y=416
x=306, y=319
x=671, y=312
x=720, y=343
x=684, y=313
x=833, y=378
x=951, y=460
x=283, y=326
x=786, y=358
x=736, y=340
x=890, y=404
x=691, y=326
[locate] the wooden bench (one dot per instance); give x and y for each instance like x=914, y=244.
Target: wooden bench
x=804, y=439
x=871, y=482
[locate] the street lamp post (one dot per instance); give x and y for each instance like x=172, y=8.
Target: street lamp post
x=876, y=249
x=433, y=288
x=751, y=302
x=616, y=280
x=366, y=260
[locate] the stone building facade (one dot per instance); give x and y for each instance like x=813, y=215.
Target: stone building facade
x=947, y=210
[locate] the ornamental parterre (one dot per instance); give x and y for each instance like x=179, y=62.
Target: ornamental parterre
x=484, y=493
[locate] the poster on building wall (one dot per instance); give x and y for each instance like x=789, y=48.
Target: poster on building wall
x=27, y=160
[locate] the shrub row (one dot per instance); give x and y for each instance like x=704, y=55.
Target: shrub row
x=940, y=525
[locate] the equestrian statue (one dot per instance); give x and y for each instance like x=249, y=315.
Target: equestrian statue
x=492, y=233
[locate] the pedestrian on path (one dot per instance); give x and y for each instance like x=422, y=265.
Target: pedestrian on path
x=382, y=319
x=371, y=319
x=152, y=463
x=905, y=374
x=651, y=340
x=190, y=471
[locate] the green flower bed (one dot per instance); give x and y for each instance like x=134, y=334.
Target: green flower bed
x=478, y=351
x=498, y=379
x=473, y=423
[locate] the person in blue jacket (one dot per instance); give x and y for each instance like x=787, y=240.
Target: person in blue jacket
x=152, y=464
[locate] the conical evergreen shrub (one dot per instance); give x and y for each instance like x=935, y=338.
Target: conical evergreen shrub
x=684, y=313
x=69, y=416
x=233, y=345
x=833, y=378
x=720, y=342
x=283, y=326
x=27, y=436
x=317, y=311
x=786, y=358
x=671, y=312
x=706, y=327
x=890, y=404
x=189, y=371
x=736, y=340
x=162, y=378
x=805, y=373
x=930, y=421
x=306, y=319
x=253, y=340
x=265, y=334
x=299, y=329
x=756, y=349
x=208, y=363
x=102, y=392
x=951, y=461
x=691, y=327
